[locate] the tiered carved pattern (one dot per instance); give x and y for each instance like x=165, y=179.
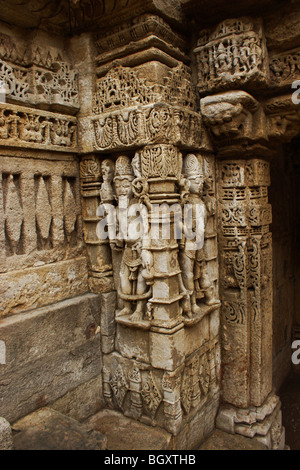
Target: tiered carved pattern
x=246, y=278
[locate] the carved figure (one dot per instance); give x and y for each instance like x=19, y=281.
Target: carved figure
x=106, y=190
x=133, y=285
x=192, y=261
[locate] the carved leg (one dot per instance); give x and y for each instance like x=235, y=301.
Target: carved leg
x=125, y=285
x=141, y=304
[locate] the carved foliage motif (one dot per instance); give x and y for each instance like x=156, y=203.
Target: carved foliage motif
x=15, y=81
x=119, y=386
x=145, y=126
x=196, y=381
x=151, y=396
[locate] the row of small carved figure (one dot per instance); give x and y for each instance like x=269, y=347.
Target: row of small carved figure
x=37, y=129
x=230, y=56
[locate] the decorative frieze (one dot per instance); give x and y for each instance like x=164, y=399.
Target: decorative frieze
x=32, y=75
x=26, y=127
x=231, y=55
x=158, y=397
x=40, y=211
x=142, y=126
x=284, y=68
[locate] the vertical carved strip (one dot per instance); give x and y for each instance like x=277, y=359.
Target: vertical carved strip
x=58, y=213
x=245, y=245
x=43, y=211
x=99, y=254
x=2, y=228
x=14, y=215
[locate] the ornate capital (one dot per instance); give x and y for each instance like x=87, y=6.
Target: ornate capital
x=234, y=117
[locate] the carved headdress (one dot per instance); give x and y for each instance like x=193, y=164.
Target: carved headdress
x=191, y=166
x=123, y=169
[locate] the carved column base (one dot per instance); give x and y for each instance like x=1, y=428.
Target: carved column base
x=263, y=423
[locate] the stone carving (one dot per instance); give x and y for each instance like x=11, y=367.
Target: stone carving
x=151, y=396
x=15, y=81
x=283, y=118
x=43, y=209
x=119, y=386
x=191, y=257
x=245, y=216
x=145, y=126
x=106, y=191
x=57, y=85
x=261, y=423
x=138, y=29
x=37, y=76
x=70, y=212
x=232, y=53
x=28, y=127
x=123, y=88
x=285, y=68
x=14, y=214
x=232, y=115
x=133, y=287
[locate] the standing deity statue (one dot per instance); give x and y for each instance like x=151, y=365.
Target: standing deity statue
x=222, y=60
x=192, y=261
x=106, y=190
x=133, y=285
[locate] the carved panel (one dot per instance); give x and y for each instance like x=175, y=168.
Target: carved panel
x=285, y=68
x=122, y=87
x=231, y=54
x=147, y=125
x=29, y=128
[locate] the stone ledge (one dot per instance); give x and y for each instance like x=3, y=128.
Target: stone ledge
x=6, y=442
x=47, y=429
x=127, y=434
x=220, y=440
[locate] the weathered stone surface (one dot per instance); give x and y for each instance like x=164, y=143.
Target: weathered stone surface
x=220, y=440
x=83, y=401
x=126, y=434
x=46, y=356
x=47, y=429
x=6, y=442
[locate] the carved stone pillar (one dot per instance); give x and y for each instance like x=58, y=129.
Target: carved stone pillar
x=160, y=315
x=245, y=246
x=233, y=62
